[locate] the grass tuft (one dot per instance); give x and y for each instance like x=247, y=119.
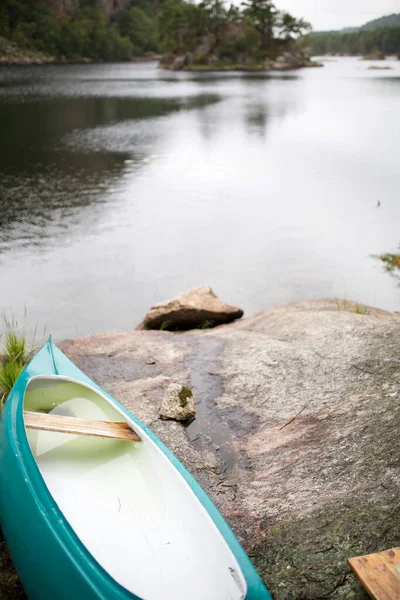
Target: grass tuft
x=360, y=309
x=14, y=356
x=347, y=306
x=9, y=373
x=207, y=324
x=14, y=347
x=165, y=325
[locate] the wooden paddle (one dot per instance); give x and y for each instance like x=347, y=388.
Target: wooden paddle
x=62, y=424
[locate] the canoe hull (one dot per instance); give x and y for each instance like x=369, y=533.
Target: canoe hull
x=49, y=558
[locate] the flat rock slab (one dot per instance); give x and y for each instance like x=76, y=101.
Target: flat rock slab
x=296, y=432
x=198, y=308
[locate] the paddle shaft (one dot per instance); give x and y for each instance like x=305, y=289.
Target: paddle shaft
x=63, y=424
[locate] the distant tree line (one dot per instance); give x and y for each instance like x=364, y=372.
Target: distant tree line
x=148, y=26
x=85, y=32
x=386, y=21
x=364, y=41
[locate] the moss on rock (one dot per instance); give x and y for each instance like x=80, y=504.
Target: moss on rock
x=184, y=394
x=306, y=558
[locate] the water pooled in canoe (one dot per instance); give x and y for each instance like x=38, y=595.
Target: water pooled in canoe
x=127, y=504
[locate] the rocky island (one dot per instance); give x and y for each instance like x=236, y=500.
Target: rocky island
x=295, y=437
x=255, y=37
x=200, y=60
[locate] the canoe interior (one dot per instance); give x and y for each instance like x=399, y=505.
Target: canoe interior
x=128, y=504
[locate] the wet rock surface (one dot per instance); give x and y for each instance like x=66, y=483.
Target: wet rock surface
x=296, y=433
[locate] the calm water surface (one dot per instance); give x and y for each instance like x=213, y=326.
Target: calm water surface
x=122, y=185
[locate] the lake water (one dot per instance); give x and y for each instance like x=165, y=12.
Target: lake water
x=122, y=185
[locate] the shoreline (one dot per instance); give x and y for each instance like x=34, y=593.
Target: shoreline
x=179, y=63
x=40, y=61
x=243, y=68
x=51, y=60
x=258, y=68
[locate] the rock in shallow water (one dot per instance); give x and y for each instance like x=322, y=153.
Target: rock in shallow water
x=198, y=308
x=178, y=403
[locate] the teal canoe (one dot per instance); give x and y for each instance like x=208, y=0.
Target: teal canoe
x=91, y=518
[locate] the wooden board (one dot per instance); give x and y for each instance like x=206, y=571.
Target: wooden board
x=379, y=573
x=62, y=424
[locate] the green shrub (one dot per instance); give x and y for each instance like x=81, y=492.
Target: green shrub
x=139, y=28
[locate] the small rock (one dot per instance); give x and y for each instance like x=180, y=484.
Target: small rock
x=198, y=308
x=268, y=64
x=374, y=55
x=376, y=68
x=213, y=59
x=150, y=361
x=204, y=49
x=178, y=403
x=178, y=63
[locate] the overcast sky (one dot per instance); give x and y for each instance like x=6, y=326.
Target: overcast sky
x=336, y=14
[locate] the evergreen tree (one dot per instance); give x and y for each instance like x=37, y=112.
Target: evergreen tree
x=263, y=16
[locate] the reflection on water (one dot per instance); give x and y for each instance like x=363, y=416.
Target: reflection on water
x=61, y=154
x=123, y=185
x=257, y=119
